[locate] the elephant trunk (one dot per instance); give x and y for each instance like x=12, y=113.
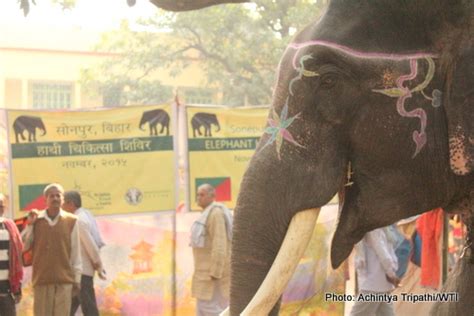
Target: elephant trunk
x=266, y=249
x=142, y=122
x=44, y=131
x=218, y=127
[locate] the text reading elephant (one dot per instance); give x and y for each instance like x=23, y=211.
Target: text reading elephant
x=29, y=123
x=153, y=118
x=205, y=120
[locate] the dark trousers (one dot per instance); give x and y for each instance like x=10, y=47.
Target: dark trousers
x=7, y=305
x=86, y=298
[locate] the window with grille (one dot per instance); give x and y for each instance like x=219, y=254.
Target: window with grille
x=51, y=95
x=198, y=96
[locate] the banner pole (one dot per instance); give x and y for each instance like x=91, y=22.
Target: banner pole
x=185, y=157
x=175, y=120
x=10, y=165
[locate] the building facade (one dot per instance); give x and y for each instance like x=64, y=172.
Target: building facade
x=42, y=70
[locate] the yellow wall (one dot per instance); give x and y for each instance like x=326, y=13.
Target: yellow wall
x=29, y=60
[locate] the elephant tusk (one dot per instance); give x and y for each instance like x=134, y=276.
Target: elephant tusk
x=225, y=312
x=292, y=249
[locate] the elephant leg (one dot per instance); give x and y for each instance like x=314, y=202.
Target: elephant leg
x=16, y=137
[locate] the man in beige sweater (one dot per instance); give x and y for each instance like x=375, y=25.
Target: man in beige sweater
x=211, y=241
x=54, y=237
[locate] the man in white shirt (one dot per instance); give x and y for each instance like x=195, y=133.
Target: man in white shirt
x=376, y=265
x=91, y=261
x=54, y=237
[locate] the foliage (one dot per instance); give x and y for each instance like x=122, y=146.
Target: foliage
x=64, y=4
x=237, y=47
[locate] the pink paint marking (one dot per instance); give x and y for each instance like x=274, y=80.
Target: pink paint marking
x=418, y=137
x=360, y=54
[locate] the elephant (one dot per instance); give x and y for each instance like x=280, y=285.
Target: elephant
x=29, y=123
x=206, y=120
x=373, y=102
x=153, y=118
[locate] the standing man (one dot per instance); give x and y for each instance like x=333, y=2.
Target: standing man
x=11, y=269
x=89, y=254
x=211, y=238
x=376, y=265
x=54, y=237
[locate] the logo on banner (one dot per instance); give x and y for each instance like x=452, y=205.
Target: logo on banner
x=206, y=121
x=29, y=124
x=222, y=186
x=133, y=196
x=31, y=196
x=153, y=118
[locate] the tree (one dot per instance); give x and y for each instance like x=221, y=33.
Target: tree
x=171, y=5
x=238, y=46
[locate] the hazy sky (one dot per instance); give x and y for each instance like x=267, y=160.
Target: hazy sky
x=89, y=14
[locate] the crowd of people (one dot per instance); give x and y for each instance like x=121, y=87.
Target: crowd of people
x=64, y=242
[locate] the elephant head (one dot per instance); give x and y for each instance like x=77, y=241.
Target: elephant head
x=373, y=101
x=42, y=127
x=218, y=126
x=143, y=121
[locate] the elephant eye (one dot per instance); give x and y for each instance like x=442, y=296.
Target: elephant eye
x=328, y=81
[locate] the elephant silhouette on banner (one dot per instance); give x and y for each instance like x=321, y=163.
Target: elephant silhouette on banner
x=30, y=124
x=153, y=118
x=205, y=120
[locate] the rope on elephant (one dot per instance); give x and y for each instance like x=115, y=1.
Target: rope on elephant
x=469, y=239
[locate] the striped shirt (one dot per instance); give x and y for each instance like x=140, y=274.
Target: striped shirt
x=4, y=259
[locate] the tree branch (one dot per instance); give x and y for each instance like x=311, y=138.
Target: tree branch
x=216, y=57
x=187, y=5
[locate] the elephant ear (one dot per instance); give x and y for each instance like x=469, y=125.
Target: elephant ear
x=460, y=112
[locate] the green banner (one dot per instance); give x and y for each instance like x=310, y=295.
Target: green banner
x=96, y=147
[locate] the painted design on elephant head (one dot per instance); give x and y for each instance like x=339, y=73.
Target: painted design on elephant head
x=401, y=92
x=388, y=78
x=302, y=72
x=278, y=129
x=436, y=97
